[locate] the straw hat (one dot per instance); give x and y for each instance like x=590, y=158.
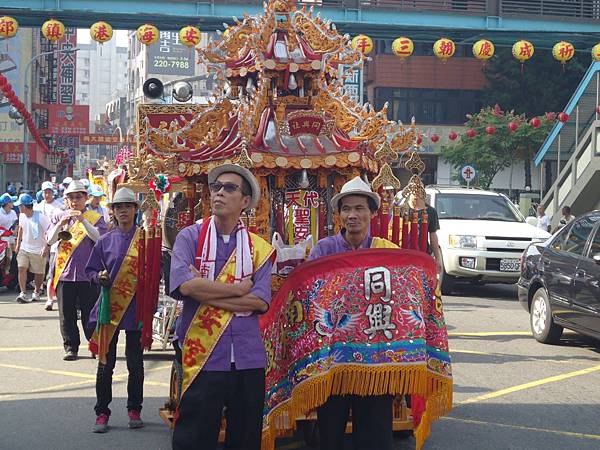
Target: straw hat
x=355, y=186
x=242, y=172
x=75, y=186
x=124, y=195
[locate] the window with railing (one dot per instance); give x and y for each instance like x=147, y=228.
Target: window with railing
x=429, y=106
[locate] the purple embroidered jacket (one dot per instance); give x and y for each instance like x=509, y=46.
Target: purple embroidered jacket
x=243, y=333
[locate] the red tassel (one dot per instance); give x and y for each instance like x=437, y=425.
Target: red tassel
x=375, y=225
x=414, y=231
x=405, y=237
x=384, y=220
x=279, y=222
x=141, y=287
x=424, y=234
x=322, y=220
x=396, y=226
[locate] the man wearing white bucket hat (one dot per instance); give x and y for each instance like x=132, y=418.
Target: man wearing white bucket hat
x=113, y=259
x=78, y=228
x=222, y=272
x=372, y=416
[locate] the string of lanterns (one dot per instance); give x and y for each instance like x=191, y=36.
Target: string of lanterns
x=512, y=126
x=147, y=34
x=403, y=47
x=483, y=49
x=10, y=95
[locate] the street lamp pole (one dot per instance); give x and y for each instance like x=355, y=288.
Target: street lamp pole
x=28, y=106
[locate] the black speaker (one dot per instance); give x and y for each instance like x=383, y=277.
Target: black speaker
x=153, y=88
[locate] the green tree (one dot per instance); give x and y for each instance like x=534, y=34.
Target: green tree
x=543, y=85
x=492, y=152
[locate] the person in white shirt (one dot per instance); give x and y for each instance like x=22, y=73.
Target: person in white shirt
x=8, y=219
x=543, y=220
x=32, y=249
x=49, y=207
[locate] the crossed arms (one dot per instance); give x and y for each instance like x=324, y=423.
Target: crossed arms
x=230, y=297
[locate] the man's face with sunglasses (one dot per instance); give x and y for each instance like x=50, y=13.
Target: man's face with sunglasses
x=226, y=196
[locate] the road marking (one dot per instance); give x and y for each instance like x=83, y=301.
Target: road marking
x=37, y=349
x=50, y=371
x=531, y=384
x=491, y=333
x=473, y=352
x=90, y=379
x=595, y=437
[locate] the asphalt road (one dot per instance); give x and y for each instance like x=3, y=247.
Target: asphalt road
x=510, y=391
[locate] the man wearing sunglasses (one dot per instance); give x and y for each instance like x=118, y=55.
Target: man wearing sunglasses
x=222, y=272
x=81, y=229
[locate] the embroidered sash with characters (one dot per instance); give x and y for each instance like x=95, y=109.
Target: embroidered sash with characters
x=67, y=248
x=119, y=298
x=209, y=323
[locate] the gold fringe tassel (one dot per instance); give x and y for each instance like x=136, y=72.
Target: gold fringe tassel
x=365, y=381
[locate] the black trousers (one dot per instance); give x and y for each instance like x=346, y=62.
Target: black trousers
x=71, y=295
x=242, y=392
x=372, y=420
x=135, y=367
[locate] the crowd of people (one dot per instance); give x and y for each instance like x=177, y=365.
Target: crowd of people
x=83, y=251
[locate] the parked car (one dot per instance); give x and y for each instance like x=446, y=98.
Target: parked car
x=560, y=281
x=482, y=236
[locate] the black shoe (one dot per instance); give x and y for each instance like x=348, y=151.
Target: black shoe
x=70, y=356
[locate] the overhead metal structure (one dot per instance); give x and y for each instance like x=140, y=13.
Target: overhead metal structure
x=544, y=22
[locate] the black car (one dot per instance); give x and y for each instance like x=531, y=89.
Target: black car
x=560, y=281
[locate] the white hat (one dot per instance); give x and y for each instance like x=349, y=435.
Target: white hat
x=355, y=186
x=242, y=172
x=85, y=182
x=47, y=185
x=67, y=180
x=124, y=195
x=96, y=191
x=75, y=186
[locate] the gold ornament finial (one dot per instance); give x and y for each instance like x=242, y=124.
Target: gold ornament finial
x=386, y=153
x=414, y=187
x=386, y=179
x=415, y=165
x=244, y=159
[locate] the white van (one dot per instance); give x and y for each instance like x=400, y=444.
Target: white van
x=482, y=235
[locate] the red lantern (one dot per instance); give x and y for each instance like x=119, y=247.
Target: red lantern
x=490, y=130
x=563, y=117
x=513, y=126
x=419, y=140
x=551, y=116
x=434, y=138
x=535, y=122
x=452, y=136
x=471, y=133
x=598, y=109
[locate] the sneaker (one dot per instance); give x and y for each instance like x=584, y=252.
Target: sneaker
x=101, y=425
x=48, y=306
x=135, y=421
x=22, y=298
x=35, y=297
x=70, y=356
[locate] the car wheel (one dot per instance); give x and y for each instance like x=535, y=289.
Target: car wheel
x=447, y=283
x=542, y=324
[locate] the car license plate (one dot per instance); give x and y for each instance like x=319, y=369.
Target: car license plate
x=510, y=265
